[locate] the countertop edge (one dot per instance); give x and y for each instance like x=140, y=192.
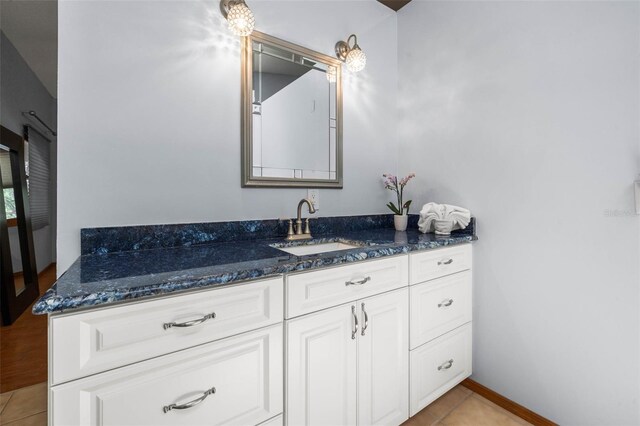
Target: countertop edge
x=49, y=303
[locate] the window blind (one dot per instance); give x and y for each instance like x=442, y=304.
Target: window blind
x=38, y=169
x=5, y=169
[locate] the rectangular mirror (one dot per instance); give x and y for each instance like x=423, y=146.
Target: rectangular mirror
x=18, y=272
x=292, y=115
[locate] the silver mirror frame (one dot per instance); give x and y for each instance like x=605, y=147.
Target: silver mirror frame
x=247, y=120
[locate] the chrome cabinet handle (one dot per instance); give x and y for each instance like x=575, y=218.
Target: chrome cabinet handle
x=189, y=404
x=446, y=365
x=445, y=262
x=366, y=320
x=355, y=322
x=168, y=325
x=358, y=282
x=445, y=303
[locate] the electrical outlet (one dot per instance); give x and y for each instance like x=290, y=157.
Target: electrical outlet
x=314, y=196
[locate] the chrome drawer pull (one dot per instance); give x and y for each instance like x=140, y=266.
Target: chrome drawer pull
x=445, y=366
x=358, y=282
x=445, y=262
x=168, y=325
x=366, y=320
x=355, y=322
x=445, y=303
x=189, y=404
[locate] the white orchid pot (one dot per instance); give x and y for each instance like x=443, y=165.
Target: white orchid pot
x=400, y=222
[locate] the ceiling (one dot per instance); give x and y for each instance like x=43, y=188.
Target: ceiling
x=395, y=4
x=32, y=27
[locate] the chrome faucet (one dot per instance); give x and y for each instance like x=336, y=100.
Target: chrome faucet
x=299, y=234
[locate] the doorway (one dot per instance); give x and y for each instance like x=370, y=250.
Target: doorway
x=28, y=82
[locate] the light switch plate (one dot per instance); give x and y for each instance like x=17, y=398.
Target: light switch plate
x=314, y=196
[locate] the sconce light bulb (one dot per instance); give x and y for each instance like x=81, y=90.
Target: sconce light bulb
x=356, y=59
x=332, y=74
x=241, y=20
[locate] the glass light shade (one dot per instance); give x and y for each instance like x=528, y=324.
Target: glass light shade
x=356, y=59
x=332, y=74
x=241, y=20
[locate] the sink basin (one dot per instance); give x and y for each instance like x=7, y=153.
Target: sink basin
x=307, y=249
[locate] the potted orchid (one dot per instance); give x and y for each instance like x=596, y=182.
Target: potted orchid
x=401, y=210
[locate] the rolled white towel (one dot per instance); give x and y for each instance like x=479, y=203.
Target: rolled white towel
x=429, y=213
x=432, y=211
x=460, y=216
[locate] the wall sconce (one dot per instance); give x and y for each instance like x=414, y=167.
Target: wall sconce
x=354, y=57
x=239, y=17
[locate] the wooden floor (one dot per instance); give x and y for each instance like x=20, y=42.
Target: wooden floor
x=23, y=345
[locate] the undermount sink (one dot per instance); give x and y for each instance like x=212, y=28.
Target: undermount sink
x=307, y=249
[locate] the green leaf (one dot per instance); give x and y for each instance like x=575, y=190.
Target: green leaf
x=406, y=206
x=393, y=208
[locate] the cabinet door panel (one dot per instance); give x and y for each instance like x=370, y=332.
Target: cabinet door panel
x=246, y=372
x=439, y=306
x=99, y=340
x=431, y=264
x=321, y=368
x=383, y=359
x=438, y=366
x=276, y=421
x=312, y=291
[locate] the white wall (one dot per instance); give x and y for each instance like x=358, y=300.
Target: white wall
x=527, y=113
x=23, y=91
x=149, y=112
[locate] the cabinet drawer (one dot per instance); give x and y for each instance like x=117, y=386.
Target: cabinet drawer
x=311, y=291
x=99, y=340
x=438, y=263
x=245, y=371
x=439, y=306
x=438, y=366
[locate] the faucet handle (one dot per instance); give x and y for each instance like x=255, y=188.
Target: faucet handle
x=290, y=231
x=307, y=230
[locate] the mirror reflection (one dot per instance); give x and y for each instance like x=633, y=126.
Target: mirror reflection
x=295, y=137
x=11, y=217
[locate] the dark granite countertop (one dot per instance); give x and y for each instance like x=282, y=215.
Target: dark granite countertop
x=100, y=279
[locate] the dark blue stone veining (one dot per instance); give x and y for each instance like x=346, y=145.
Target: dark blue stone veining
x=147, y=237
x=128, y=263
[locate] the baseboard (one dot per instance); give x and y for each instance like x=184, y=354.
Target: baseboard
x=513, y=407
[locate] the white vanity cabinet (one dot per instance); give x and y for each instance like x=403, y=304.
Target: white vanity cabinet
x=311, y=291
x=383, y=368
x=236, y=381
x=439, y=365
x=348, y=364
x=440, y=322
x=365, y=343
x=321, y=362
x=93, y=341
x=204, y=358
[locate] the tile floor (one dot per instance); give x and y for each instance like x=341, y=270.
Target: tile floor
x=460, y=407
x=25, y=406
x=463, y=407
